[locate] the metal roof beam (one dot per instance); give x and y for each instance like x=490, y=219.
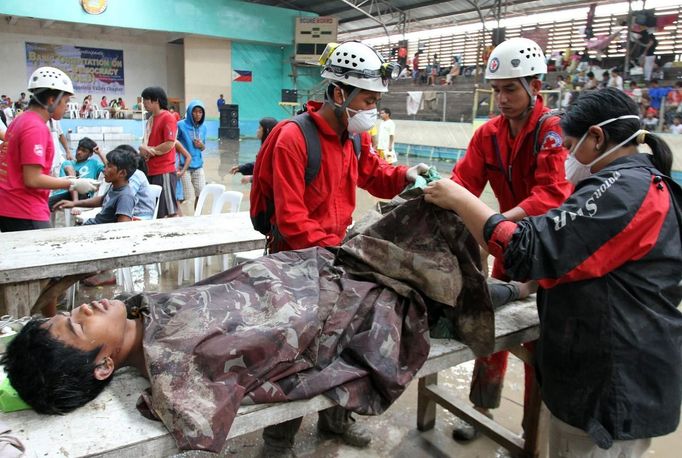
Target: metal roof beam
x=381, y=12
x=571, y=4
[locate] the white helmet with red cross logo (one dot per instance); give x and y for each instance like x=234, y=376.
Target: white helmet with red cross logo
x=515, y=58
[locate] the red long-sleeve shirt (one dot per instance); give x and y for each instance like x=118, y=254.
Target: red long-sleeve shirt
x=518, y=177
x=319, y=213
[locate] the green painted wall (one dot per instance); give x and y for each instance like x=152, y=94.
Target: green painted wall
x=271, y=70
x=218, y=18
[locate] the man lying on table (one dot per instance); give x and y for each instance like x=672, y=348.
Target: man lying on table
x=350, y=322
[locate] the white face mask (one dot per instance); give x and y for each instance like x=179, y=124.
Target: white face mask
x=361, y=120
x=576, y=171
x=358, y=120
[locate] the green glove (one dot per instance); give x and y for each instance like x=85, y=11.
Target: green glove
x=424, y=179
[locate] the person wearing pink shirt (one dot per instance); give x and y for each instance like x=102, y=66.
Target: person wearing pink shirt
x=27, y=153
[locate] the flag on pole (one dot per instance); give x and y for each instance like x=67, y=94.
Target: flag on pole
x=242, y=76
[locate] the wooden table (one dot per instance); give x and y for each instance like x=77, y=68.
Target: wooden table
x=110, y=426
x=515, y=324
x=31, y=256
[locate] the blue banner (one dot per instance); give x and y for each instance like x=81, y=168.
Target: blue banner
x=92, y=70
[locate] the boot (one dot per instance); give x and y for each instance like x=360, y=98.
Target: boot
x=279, y=439
x=338, y=422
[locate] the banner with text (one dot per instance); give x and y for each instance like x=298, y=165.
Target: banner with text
x=92, y=70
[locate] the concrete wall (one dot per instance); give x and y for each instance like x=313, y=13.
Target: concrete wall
x=446, y=134
x=231, y=19
x=175, y=71
x=458, y=135
x=208, y=71
x=144, y=63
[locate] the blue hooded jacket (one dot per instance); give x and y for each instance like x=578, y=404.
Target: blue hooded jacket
x=189, y=130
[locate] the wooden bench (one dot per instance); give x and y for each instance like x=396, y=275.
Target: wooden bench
x=29, y=258
x=110, y=426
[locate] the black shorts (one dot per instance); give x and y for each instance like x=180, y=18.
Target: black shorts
x=8, y=224
x=168, y=205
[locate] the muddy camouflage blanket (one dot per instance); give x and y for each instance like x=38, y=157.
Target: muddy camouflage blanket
x=350, y=323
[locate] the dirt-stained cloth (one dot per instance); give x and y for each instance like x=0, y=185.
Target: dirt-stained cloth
x=350, y=323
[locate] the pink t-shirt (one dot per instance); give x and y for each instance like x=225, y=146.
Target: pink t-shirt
x=28, y=143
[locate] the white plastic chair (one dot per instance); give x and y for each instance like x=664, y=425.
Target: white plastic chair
x=234, y=199
x=99, y=113
x=124, y=275
x=155, y=192
x=214, y=191
x=72, y=110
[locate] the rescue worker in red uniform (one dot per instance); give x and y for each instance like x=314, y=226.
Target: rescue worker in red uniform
x=520, y=154
x=319, y=212
x=609, y=263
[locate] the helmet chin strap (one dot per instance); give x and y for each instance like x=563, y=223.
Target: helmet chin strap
x=339, y=110
x=526, y=86
x=53, y=106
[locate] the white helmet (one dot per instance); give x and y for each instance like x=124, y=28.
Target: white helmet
x=356, y=64
x=515, y=58
x=50, y=78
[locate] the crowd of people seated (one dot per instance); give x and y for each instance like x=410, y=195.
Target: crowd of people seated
x=9, y=109
x=659, y=103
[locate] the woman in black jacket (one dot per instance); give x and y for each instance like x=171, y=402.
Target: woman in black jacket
x=609, y=263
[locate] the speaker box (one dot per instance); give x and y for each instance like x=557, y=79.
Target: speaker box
x=289, y=95
x=229, y=116
x=230, y=133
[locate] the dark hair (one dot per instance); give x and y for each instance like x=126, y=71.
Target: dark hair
x=50, y=376
x=344, y=87
x=88, y=144
x=156, y=94
x=123, y=159
x=387, y=111
x=141, y=163
x=267, y=124
x=593, y=107
x=39, y=98
x=590, y=74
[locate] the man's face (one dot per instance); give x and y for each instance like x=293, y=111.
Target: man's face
x=97, y=324
x=58, y=113
x=364, y=100
x=148, y=104
x=112, y=173
x=510, y=97
x=83, y=154
x=197, y=114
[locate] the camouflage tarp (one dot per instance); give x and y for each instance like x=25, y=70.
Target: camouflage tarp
x=350, y=323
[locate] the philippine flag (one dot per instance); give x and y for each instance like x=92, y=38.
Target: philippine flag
x=242, y=76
